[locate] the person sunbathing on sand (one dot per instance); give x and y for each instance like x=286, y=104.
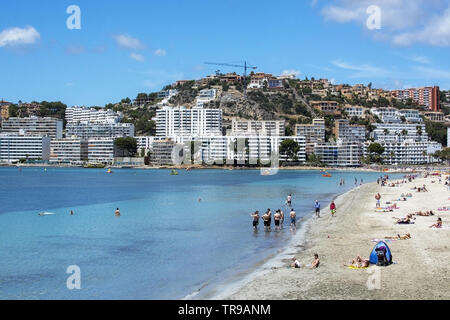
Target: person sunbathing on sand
x=359, y=263
x=438, y=224
x=399, y=237
x=406, y=220
x=424, y=214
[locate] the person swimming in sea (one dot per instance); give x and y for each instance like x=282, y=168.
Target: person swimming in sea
x=117, y=213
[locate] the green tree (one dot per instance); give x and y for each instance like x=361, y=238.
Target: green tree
x=376, y=151
x=290, y=149
x=126, y=147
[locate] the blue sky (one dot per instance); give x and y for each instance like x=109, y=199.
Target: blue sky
x=127, y=47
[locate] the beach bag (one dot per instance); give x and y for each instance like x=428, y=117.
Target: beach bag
x=382, y=258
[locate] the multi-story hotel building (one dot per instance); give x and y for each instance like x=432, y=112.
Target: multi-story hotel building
x=345, y=131
x=355, y=111
x=407, y=152
x=425, y=96
x=327, y=107
x=313, y=133
x=14, y=147
x=46, y=127
x=91, y=115
x=341, y=154
x=68, y=151
x=226, y=149
x=101, y=150
x=387, y=115
x=181, y=121
x=99, y=130
x=411, y=115
x=257, y=127
x=398, y=132
x=435, y=116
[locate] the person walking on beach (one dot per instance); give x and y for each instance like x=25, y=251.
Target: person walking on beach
x=317, y=207
x=333, y=208
x=293, y=216
x=117, y=213
x=255, y=220
x=378, y=198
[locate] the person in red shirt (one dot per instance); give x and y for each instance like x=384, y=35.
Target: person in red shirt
x=333, y=208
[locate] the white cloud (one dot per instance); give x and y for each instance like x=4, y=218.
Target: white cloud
x=291, y=71
x=128, y=42
x=420, y=59
x=436, y=33
x=160, y=52
x=403, y=22
x=362, y=71
x=18, y=36
x=137, y=57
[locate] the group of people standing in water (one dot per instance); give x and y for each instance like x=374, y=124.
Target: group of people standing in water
x=279, y=216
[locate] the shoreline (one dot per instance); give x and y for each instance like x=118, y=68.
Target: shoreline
x=381, y=169
x=277, y=260
x=418, y=271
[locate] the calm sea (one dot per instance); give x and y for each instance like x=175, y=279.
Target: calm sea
x=176, y=233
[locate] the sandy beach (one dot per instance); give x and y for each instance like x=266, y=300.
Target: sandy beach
x=420, y=269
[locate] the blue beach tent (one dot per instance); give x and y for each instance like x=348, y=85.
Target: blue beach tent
x=373, y=254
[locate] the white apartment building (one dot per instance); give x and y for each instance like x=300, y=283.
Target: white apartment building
x=313, y=133
x=180, y=121
x=411, y=115
x=226, y=149
x=345, y=131
x=257, y=127
x=387, y=115
x=398, y=132
x=341, y=154
x=146, y=142
x=91, y=115
x=14, y=148
x=355, y=111
x=45, y=127
x=205, y=96
x=99, y=130
x=407, y=152
x=101, y=150
x=68, y=151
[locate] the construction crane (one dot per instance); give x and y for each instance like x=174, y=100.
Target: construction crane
x=245, y=66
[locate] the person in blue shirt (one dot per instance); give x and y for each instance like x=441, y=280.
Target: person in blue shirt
x=317, y=207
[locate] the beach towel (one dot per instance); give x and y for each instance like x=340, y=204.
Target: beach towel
x=356, y=268
x=444, y=209
x=386, y=240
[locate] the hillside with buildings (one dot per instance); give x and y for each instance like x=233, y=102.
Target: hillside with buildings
x=225, y=118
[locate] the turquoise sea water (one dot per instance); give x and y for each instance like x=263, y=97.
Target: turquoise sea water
x=166, y=244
